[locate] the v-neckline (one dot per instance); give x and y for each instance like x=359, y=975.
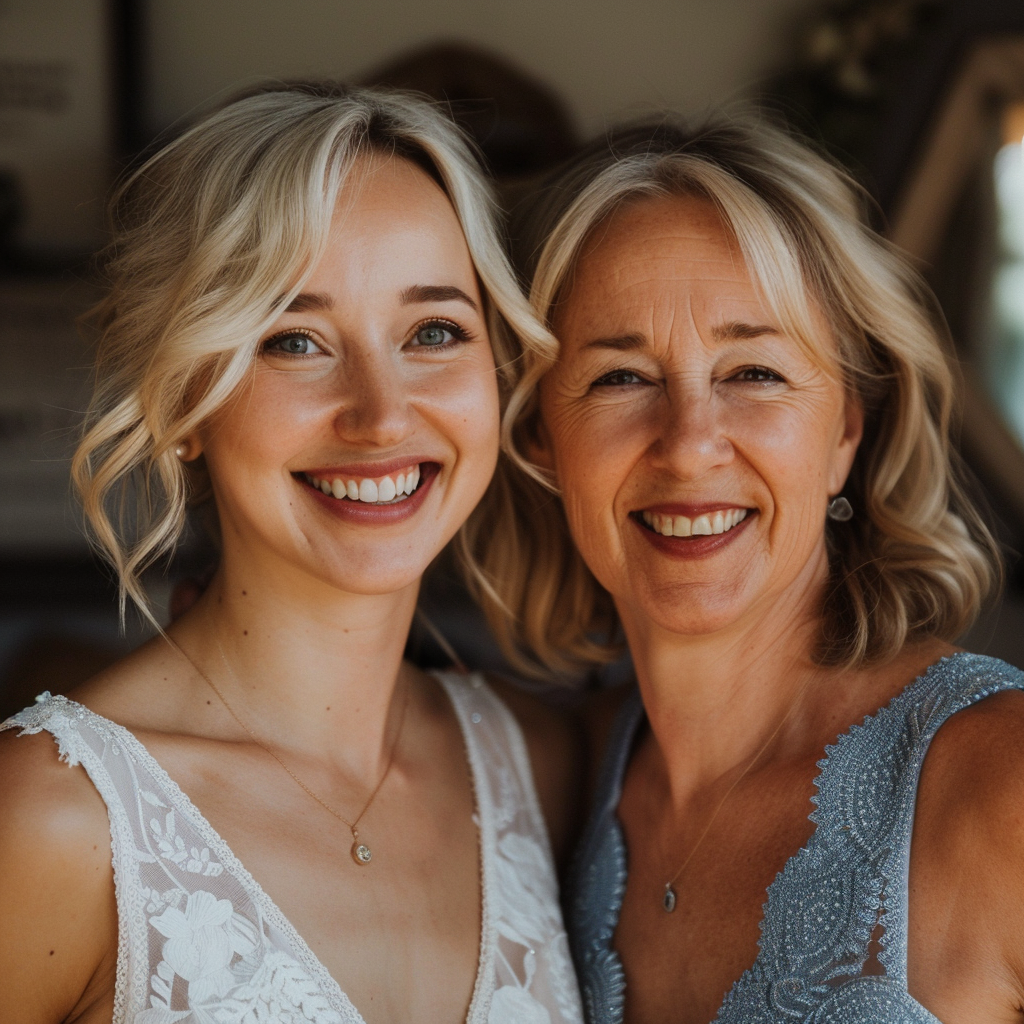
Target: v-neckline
x=794, y=861
x=272, y=913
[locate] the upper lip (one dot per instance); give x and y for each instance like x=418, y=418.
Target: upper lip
x=693, y=509
x=368, y=469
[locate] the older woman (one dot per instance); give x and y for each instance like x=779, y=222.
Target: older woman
x=746, y=421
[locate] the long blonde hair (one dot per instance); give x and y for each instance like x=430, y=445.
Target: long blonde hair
x=212, y=238
x=917, y=560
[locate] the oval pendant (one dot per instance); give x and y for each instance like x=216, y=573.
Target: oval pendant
x=668, y=901
x=361, y=853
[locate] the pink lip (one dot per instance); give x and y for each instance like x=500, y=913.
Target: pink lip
x=367, y=470
x=685, y=548
x=376, y=515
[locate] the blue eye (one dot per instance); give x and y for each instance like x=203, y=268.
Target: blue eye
x=292, y=343
x=438, y=334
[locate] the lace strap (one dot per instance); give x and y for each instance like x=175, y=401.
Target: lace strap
x=81, y=741
x=952, y=686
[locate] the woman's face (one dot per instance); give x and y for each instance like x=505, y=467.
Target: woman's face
x=696, y=445
x=370, y=428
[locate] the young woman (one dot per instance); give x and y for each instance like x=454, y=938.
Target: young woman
x=265, y=814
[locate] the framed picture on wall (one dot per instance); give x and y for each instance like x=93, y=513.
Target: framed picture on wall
x=62, y=123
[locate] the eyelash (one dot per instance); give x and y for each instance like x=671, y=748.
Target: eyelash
x=291, y=332
x=604, y=380
x=769, y=376
x=459, y=334
x=766, y=376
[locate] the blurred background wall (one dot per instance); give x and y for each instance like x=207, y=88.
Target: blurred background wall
x=923, y=99
x=604, y=57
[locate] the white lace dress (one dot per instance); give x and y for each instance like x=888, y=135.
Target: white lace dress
x=201, y=943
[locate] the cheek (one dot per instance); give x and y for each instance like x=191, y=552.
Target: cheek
x=465, y=406
x=593, y=451
x=792, y=450
x=268, y=420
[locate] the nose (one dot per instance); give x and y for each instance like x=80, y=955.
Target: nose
x=374, y=409
x=690, y=438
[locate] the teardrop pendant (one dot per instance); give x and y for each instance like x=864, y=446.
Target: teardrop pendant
x=361, y=853
x=668, y=901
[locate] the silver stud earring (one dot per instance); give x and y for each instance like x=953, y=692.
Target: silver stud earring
x=840, y=510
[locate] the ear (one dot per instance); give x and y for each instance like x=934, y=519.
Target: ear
x=849, y=442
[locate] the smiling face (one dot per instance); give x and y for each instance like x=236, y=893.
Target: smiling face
x=369, y=430
x=695, y=444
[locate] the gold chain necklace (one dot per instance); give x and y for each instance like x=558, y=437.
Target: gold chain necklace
x=361, y=853
x=669, y=897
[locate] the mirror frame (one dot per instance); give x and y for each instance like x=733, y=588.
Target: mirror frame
x=990, y=77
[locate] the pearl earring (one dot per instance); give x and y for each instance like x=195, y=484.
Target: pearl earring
x=839, y=510
x=181, y=451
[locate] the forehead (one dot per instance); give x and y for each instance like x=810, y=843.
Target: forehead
x=662, y=239
x=654, y=256
x=392, y=192
x=392, y=221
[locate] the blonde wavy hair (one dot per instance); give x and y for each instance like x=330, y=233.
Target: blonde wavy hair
x=917, y=560
x=213, y=236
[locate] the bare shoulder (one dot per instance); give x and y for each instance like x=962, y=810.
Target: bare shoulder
x=975, y=764
x=555, y=742
x=58, y=930
x=967, y=857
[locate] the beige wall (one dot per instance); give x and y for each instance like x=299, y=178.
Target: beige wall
x=606, y=57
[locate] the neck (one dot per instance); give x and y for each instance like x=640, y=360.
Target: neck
x=717, y=700
x=305, y=666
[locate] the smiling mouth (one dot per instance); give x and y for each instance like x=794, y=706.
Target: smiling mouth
x=706, y=525
x=384, y=490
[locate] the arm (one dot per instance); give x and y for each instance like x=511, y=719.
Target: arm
x=58, y=924
x=966, y=940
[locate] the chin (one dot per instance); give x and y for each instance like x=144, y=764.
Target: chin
x=692, y=609
x=372, y=578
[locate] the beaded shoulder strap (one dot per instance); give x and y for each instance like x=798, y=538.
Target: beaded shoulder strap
x=597, y=882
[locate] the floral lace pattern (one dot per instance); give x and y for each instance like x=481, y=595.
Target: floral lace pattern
x=201, y=943
x=824, y=905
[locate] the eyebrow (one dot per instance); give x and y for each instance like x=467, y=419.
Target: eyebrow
x=732, y=331
x=310, y=302
x=737, y=331
x=435, y=293
x=318, y=302
x=620, y=343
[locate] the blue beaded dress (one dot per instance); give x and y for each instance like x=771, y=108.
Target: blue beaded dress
x=825, y=903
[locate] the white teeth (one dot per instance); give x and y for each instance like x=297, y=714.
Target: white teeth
x=701, y=526
x=370, y=491
x=706, y=525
